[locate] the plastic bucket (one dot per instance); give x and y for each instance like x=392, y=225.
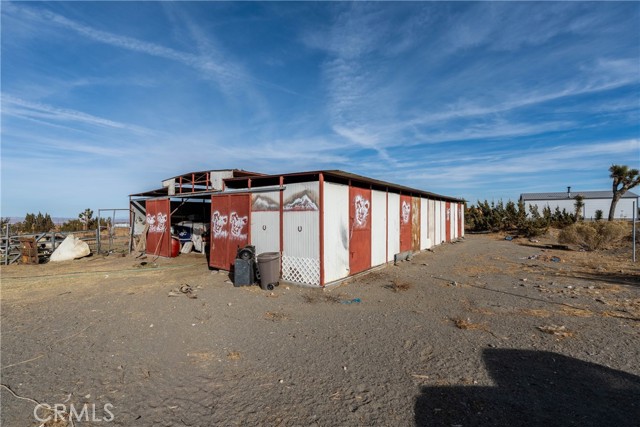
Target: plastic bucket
x=269, y=268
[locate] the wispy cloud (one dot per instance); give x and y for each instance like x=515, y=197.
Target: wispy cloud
x=21, y=108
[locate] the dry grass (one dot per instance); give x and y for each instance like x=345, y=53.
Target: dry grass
x=322, y=296
x=576, y=312
x=534, y=312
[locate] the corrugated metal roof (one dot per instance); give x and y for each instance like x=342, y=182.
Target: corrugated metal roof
x=346, y=176
x=585, y=195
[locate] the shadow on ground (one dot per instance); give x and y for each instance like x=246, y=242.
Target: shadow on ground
x=535, y=388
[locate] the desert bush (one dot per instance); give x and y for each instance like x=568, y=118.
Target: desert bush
x=592, y=236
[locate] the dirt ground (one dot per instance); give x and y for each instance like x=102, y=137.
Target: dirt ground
x=480, y=332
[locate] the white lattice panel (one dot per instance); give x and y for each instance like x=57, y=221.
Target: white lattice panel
x=301, y=270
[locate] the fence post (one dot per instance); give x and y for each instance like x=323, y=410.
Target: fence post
x=7, y=245
x=635, y=210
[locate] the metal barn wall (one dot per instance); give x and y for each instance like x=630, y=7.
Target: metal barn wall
x=301, y=233
x=443, y=222
x=336, y=231
x=432, y=223
x=425, y=241
x=393, y=230
x=265, y=221
x=624, y=208
x=437, y=212
x=454, y=220
x=378, y=227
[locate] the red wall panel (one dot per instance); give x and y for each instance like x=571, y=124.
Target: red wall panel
x=159, y=234
x=230, y=227
x=405, y=223
x=359, y=229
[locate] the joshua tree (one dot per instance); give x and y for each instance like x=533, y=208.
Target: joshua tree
x=86, y=217
x=624, y=179
x=578, y=205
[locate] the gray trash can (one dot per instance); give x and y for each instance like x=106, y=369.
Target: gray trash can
x=269, y=268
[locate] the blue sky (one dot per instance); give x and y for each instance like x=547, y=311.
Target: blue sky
x=473, y=100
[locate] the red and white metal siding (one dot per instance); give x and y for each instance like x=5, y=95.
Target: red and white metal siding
x=393, y=230
x=378, y=227
x=432, y=222
x=336, y=231
x=301, y=233
x=265, y=221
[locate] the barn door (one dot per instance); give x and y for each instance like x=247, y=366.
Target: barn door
x=405, y=223
x=230, y=216
x=460, y=219
x=159, y=234
x=360, y=229
x=447, y=228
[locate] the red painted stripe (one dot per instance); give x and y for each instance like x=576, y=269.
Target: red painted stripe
x=321, y=213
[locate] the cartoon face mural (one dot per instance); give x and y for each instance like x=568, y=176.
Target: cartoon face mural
x=361, y=211
x=237, y=224
x=218, y=223
x=161, y=224
x=406, y=212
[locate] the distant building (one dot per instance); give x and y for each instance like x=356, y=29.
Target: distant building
x=593, y=201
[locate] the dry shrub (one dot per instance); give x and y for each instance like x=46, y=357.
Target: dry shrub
x=592, y=236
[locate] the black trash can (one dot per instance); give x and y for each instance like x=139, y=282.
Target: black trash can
x=269, y=268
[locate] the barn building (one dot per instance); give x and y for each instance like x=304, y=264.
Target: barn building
x=327, y=225
x=593, y=201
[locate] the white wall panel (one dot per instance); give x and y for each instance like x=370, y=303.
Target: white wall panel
x=432, y=222
x=393, y=230
x=301, y=228
x=336, y=231
x=378, y=227
x=425, y=240
x=439, y=221
x=265, y=231
x=454, y=221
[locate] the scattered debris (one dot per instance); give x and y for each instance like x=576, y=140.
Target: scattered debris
x=275, y=316
x=559, y=331
x=509, y=238
x=234, y=355
x=183, y=290
x=467, y=324
x=555, y=259
x=351, y=301
x=398, y=286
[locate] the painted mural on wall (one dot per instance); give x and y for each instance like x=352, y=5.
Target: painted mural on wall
x=261, y=202
x=303, y=201
x=406, y=212
x=157, y=223
x=361, y=211
x=237, y=225
x=218, y=225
